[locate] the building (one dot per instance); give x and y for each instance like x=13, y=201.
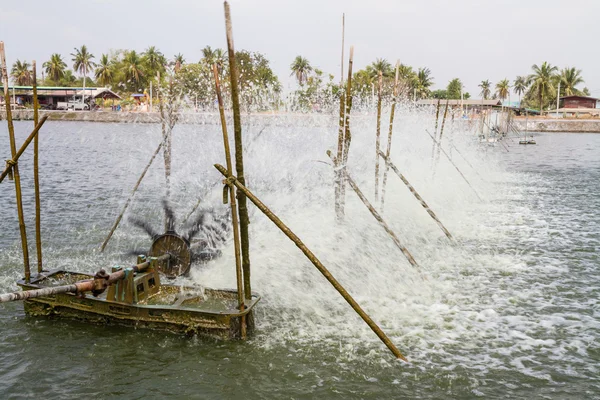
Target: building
x=579, y=102
x=49, y=96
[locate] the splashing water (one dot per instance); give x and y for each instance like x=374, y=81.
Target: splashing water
x=511, y=308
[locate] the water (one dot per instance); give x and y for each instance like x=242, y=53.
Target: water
x=511, y=311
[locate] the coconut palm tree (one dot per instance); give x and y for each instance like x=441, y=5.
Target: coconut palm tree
x=133, y=67
x=424, y=82
x=105, y=70
x=55, y=67
x=540, y=82
x=569, y=78
x=208, y=55
x=179, y=59
x=21, y=73
x=519, y=86
x=301, y=68
x=503, y=89
x=154, y=60
x=380, y=65
x=485, y=89
x=82, y=61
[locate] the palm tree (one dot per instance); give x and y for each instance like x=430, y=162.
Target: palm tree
x=20, y=73
x=55, y=67
x=485, y=89
x=519, y=86
x=155, y=60
x=424, y=82
x=301, y=68
x=82, y=61
x=380, y=65
x=569, y=78
x=208, y=55
x=105, y=70
x=540, y=82
x=132, y=65
x=503, y=89
x=179, y=59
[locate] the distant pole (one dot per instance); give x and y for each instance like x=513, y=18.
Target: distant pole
x=343, y=36
x=557, y=97
x=150, y=96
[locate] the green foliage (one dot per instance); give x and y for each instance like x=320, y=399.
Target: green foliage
x=21, y=73
x=541, y=84
x=55, y=67
x=569, y=79
x=301, y=68
x=485, y=89
x=439, y=94
x=454, y=89
x=423, y=82
x=503, y=89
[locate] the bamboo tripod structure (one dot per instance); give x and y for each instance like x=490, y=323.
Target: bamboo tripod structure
x=232, y=201
x=378, y=217
x=315, y=261
x=389, y=143
x=15, y=167
x=36, y=176
x=389, y=164
x=454, y=165
x=12, y=162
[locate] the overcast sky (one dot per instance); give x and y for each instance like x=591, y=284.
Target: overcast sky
x=473, y=40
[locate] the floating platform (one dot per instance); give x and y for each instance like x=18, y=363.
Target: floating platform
x=141, y=301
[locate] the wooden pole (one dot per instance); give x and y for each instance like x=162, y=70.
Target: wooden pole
x=29, y=139
x=15, y=168
x=347, y=133
x=378, y=135
x=239, y=154
x=36, y=176
x=417, y=196
x=135, y=188
x=389, y=143
x=454, y=165
x=339, y=207
x=379, y=219
x=439, y=141
x=315, y=261
x=437, y=117
x=234, y=215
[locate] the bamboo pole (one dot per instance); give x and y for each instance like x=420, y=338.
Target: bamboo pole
x=15, y=159
x=315, y=261
x=347, y=133
x=454, y=165
x=135, y=188
x=15, y=167
x=379, y=219
x=232, y=201
x=416, y=194
x=389, y=143
x=378, y=135
x=239, y=153
x=439, y=141
x=36, y=175
x=437, y=117
x=339, y=210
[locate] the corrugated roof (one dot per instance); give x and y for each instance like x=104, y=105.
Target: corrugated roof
x=579, y=97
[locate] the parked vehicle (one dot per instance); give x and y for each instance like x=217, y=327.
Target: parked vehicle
x=74, y=103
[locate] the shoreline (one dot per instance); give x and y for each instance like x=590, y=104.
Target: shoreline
x=212, y=118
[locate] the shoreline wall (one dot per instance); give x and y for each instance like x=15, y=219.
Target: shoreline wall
x=531, y=125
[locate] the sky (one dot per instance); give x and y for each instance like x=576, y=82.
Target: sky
x=473, y=40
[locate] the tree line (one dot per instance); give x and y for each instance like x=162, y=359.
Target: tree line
x=127, y=71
